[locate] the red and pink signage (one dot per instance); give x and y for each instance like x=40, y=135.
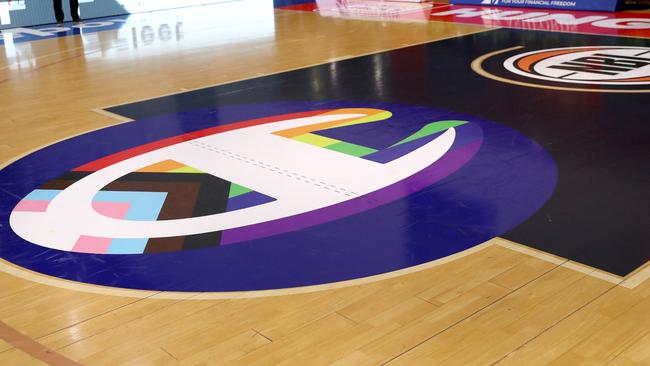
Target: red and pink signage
x=625, y=24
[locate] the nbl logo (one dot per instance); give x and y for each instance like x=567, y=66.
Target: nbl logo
x=597, y=68
x=585, y=65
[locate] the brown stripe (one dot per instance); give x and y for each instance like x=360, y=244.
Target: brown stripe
x=181, y=196
x=164, y=245
x=33, y=348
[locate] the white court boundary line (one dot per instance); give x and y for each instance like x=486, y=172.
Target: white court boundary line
x=631, y=281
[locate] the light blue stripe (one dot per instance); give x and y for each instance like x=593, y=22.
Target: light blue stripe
x=127, y=246
x=42, y=194
x=145, y=206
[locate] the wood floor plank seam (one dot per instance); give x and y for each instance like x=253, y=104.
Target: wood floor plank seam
x=137, y=319
x=432, y=302
x=628, y=347
x=18, y=291
x=161, y=309
x=261, y=334
x=578, y=267
x=619, y=319
x=91, y=318
x=32, y=347
x=169, y=353
x=391, y=332
x=105, y=330
x=554, y=324
x=346, y=318
x=502, y=270
x=8, y=66
x=559, y=265
x=61, y=61
x=435, y=304
x=500, y=285
x=312, y=321
x=469, y=316
x=561, y=355
x=287, y=338
x=37, y=68
x=6, y=350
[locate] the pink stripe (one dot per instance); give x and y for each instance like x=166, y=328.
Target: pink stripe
x=32, y=206
x=92, y=244
x=116, y=210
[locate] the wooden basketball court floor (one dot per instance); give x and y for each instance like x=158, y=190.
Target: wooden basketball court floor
x=500, y=302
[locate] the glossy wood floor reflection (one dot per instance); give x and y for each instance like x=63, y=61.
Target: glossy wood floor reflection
x=502, y=304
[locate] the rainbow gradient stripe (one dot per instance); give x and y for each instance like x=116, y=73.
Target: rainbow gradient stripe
x=313, y=135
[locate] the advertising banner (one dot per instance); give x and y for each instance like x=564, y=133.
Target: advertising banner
x=589, y=5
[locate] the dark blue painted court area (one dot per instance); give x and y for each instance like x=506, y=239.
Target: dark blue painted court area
x=506, y=181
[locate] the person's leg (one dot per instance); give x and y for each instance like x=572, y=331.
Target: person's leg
x=58, y=11
x=74, y=10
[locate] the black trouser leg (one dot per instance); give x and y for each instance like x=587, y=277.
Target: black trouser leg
x=58, y=11
x=74, y=10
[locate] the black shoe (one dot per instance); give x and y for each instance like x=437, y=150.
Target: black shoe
x=78, y=22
